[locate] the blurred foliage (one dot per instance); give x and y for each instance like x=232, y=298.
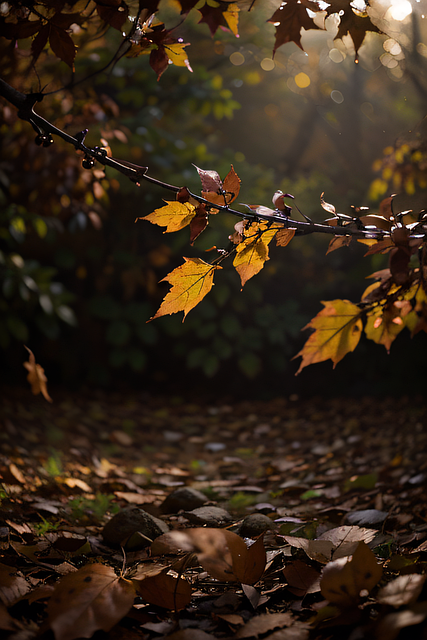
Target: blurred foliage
x=80, y=278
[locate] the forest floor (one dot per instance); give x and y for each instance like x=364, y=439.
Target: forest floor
x=337, y=550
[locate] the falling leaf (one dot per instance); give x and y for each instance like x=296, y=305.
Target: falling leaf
x=165, y=591
x=36, y=377
x=190, y=284
x=89, y=599
x=174, y=216
x=252, y=252
x=337, y=331
x=344, y=580
x=289, y=19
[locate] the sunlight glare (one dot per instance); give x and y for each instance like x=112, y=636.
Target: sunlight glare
x=400, y=9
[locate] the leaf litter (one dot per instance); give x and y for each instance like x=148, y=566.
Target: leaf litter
x=339, y=546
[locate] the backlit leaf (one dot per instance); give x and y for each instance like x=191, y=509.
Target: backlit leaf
x=289, y=19
x=252, y=253
x=384, y=324
x=353, y=22
x=174, y=216
x=176, y=54
x=89, y=599
x=190, y=283
x=337, y=331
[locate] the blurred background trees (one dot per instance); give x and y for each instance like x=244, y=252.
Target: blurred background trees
x=79, y=278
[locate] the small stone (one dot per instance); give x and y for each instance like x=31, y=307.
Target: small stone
x=254, y=525
x=212, y=516
x=184, y=498
x=130, y=521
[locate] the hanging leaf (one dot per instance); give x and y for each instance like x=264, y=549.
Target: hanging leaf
x=337, y=331
x=223, y=14
x=216, y=191
x=284, y=236
x=174, y=216
x=89, y=599
x=384, y=323
x=36, y=377
x=346, y=580
x=289, y=19
x=190, y=283
x=353, y=22
x=252, y=253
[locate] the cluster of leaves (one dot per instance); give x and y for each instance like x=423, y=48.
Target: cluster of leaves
x=396, y=300
x=61, y=26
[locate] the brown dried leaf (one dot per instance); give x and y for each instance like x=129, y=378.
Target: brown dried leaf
x=284, y=236
x=337, y=242
x=92, y=598
x=301, y=578
x=165, y=591
x=403, y=590
x=36, y=376
x=344, y=580
x=12, y=585
x=263, y=624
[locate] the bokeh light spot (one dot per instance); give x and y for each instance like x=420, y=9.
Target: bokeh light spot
x=237, y=58
x=302, y=80
x=337, y=96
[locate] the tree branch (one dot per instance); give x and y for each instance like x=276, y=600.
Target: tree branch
x=25, y=106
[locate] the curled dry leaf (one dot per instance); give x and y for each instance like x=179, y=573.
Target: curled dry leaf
x=92, y=598
x=36, y=377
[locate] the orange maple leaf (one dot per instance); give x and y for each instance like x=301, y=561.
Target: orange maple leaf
x=190, y=284
x=337, y=331
x=36, y=376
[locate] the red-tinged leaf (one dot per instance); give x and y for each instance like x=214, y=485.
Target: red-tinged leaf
x=89, y=599
x=402, y=590
x=289, y=19
x=252, y=253
x=198, y=223
x=174, y=216
x=40, y=41
x=301, y=578
x=210, y=180
x=337, y=331
x=165, y=591
x=226, y=192
x=62, y=45
x=284, y=236
x=345, y=580
x=190, y=284
x=159, y=60
x=113, y=12
x=36, y=377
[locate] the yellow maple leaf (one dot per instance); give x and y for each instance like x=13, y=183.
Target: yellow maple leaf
x=176, y=54
x=252, y=252
x=36, y=377
x=383, y=324
x=190, y=283
x=232, y=18
x=174, y=216
x=337, y=331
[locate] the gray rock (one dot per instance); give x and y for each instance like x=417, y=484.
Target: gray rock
x=254, y=525
x=184, y=498
x=212, y=516
x=133, y=527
